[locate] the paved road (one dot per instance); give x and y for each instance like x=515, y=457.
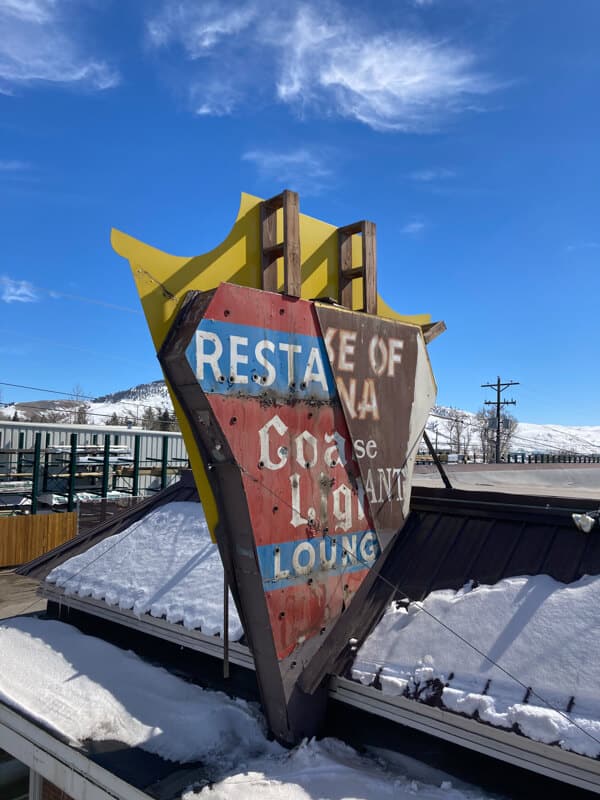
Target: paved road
x=18, y=595
x=559, y=480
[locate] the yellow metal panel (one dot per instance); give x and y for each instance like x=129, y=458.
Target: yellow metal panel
x=163, y=280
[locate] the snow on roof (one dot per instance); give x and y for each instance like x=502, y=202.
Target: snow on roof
x=542, y=632
x=86, y=689
x=165, y=565
x=328, y=770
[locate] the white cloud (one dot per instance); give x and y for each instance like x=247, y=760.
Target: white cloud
x=391, y=81
x=432, y=174
x=589, y=245
x=322, y=60
x=12, y=291
x=300, y=169
x=37, y=43
x=413, y=227
x=29, y=10
x=216, y=97
x=198, y=26
x=13, y=166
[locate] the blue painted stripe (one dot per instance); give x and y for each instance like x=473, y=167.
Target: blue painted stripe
x=233, y=359
x=293, y=563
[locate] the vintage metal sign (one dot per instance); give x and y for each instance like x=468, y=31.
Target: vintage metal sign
x=163, y=281
x=386, y=388
x=303, y=444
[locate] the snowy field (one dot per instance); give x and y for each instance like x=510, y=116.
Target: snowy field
x=164, y=565
x=86, y=689
x=540, y=632
x=131, y=404
x=529, y=437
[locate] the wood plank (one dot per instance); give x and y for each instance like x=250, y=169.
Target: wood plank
x=25, y=537
x=434, y=329
x=292, y=282
x=345, y=266
x=268, y=236
x=355, y=272
x=367, y=270
x=354, y=227
x=369, y=253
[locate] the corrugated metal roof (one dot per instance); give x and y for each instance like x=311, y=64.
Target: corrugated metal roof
x=450, y=537
x=454, y=536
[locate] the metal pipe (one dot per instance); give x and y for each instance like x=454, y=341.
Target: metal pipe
x=164, y=462
x=72, y=472
x=136, y=466
x=225, y=627
x=20, y=453
x=436, y=461
x=35, y=478
x=106, y=465
x=46, y=464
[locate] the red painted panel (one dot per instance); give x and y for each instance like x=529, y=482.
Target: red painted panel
x=305, y=497
x=269, y=310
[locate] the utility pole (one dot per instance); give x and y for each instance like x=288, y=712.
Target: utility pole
x=499, y=387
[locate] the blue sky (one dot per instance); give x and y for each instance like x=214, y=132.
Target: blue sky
x=467, y=130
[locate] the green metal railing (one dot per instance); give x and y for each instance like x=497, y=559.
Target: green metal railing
x=31, y=472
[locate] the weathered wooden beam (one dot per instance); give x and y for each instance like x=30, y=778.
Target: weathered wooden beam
x=368, y=269
x=288, y=249
x=433, y=330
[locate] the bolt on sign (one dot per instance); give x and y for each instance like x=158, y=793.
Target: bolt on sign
x=306, y=417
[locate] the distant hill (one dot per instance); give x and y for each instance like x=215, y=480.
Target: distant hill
x=135, y=405
x=146, y=404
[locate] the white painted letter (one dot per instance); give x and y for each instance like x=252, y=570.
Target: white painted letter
x=290, y=349
x=337, y=452
x=347, y=345
x=278, y=573
x=203, y=358
x=395, y=354
x=368, y=402
x=367, y=547
x=265, y=442
x=301, y=458
x=348, y=398
x=303, y=569
x=377, y=355
x=314, y=371
x=237, y=358
x=261, y=346
x=342, y=507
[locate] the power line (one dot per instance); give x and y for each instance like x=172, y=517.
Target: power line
x=528, y=440
x=75, y=395
x=469, y=423
x=393, y=586
x=78, y=298
x=421, y=606
x=499, y=387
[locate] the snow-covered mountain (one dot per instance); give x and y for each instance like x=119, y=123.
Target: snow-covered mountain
x=148, y=401
x=133, y=406
x=528, y=437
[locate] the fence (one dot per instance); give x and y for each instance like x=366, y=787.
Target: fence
x=97, y=512
x=58, y=465
x=551, y=458
x=23, y=538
